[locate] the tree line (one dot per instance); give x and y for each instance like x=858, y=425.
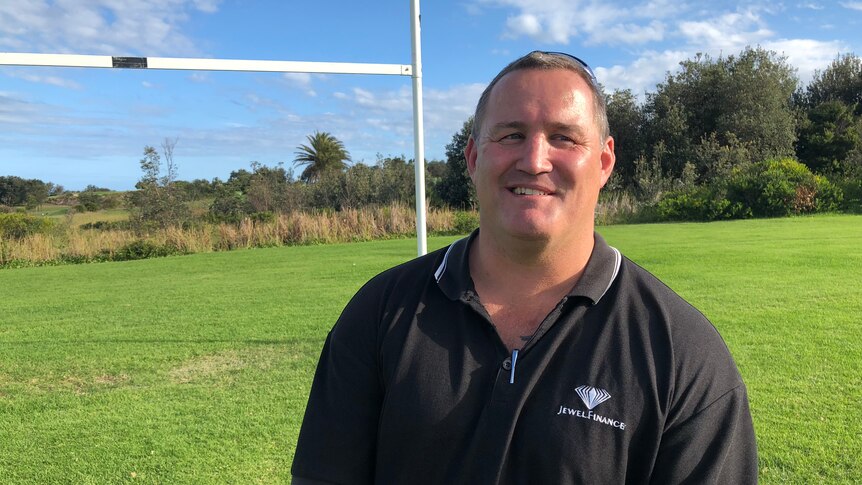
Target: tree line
x=17, y=191
x=727, y=137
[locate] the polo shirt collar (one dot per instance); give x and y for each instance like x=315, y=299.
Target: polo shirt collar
x=453, y=272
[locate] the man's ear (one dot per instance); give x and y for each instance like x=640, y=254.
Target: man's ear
x=470, y=154
x=608, y=159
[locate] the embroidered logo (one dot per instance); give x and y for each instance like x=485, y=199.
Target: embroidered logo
x=592, y=396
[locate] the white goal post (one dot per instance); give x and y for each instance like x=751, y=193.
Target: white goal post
x=414, y=70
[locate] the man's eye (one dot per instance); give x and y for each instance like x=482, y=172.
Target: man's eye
x=562, y=139
x=511, y=138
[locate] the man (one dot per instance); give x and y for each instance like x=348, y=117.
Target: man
x=530, y=352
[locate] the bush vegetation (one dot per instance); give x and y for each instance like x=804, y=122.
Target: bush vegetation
x=772, y=188
x=18, y=225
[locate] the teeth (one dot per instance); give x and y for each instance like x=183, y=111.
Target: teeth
x=526, y=191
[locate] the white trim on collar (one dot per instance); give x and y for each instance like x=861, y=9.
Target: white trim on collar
x=442, y=268
x=618, y=259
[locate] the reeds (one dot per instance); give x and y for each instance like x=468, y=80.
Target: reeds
x=619, y=208
x=71, y=243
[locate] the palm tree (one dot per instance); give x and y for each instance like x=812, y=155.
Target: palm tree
x=323, y=153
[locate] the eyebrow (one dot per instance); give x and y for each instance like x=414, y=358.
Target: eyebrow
x=518, y=125
x=555, y=127
x=568, y=128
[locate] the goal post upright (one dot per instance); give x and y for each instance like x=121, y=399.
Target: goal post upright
x=418, y=129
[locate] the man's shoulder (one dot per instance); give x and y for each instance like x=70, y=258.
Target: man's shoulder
x=384, y=294
x=644, y=287
x=406, y=275
x=695, y=342
x=424, y=265
x=689, y=331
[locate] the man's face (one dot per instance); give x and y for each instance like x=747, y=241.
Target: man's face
x=539, y=162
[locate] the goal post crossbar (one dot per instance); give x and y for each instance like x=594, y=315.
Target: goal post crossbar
x=198, y=64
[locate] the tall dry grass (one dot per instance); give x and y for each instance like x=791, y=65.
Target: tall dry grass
x=619, y=208
x=36, y=248
x=88, y=243
x=71, y=243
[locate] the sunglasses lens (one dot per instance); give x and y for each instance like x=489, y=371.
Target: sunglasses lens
x=579, y=61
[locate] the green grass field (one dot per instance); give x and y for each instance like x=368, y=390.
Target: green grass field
x=60, y=213
x=195, y=369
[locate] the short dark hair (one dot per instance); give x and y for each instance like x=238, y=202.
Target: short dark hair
x=546, y=61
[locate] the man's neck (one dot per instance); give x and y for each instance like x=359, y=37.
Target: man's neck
x=538, y=266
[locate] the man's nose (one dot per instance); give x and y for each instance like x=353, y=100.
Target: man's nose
x=535, y=158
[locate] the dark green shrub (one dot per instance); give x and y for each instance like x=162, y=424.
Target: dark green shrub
x=143, y=249
x=17, y=225
x=774, y=188
x=828, y=197
x=108, y=225
x=852, y=192
x=229, y=206
x=263, y=217
x=699, y=204
x=465, y=221
x=90, y=201
x=682, y=206
x=328, y=191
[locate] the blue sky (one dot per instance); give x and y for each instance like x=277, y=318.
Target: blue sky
x=76, y=126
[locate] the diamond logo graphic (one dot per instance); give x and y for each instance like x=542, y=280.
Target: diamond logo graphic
x=592, y=396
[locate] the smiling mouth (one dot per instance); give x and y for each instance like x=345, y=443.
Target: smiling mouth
x=527, y=191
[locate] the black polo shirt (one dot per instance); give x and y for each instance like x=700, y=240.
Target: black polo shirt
x=623, y=382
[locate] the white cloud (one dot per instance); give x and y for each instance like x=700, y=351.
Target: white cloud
x=524, y=24
x=727, y=33
x=444, y=108
x=472, y=9
x=392, y=101
x=447, y=110
x=302, y=81
x=257, y=103
x=200, y=77
x=661, y=9
x=807, y=55
x=111, y=27
x=651, y=67
x=642, y=74
x=811, y=6
x=389, y=114
x=22, y=119
x=50, y=80
x=298, y=78
x=15, y=111
x=558, y=21
x=208, y=6
x=630, y=34
x=852, y=5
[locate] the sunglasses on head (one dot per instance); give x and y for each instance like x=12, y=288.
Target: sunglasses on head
x=576, y=59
